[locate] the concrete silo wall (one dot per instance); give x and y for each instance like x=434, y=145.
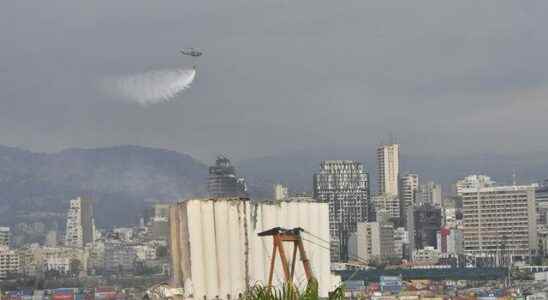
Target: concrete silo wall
x=216, y=252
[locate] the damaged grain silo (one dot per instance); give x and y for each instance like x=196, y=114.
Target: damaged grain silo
x=216, y=253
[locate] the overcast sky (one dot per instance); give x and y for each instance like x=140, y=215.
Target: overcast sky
x=449, y=77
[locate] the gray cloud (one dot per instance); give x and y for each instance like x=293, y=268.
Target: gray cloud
x=278, y=75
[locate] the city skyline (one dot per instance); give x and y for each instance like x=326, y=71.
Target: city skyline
x=363, y=149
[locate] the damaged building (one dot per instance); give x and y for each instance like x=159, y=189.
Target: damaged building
x=216, y=252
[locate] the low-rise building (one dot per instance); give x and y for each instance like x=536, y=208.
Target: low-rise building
x=59, y=264
x=145, y=252
x=450, y=241
x=123, y=233
x=426, y=256
x=401, y=241
x=53, y=257
x=119, y=256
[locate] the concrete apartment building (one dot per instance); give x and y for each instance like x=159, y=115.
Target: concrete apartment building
x=119, y=256
x=4, y=236
x=344, y=184
x=9, y=262
x=541, y=196
x=422, y=225
x=372, y=241
x=80, y=230
x=409, y=187
x=401, y=241
x=389, y=204
x=388, y=168
x=499, y=219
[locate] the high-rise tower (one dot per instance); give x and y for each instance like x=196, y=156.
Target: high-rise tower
x=344, y=185
x=223, y=182
x=80, y=229
x=409, y=186
x=388, y=168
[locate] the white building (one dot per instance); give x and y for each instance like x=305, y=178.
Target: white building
x=4, y=236
x=124, y=233
x=53, y=258
x=473, y=182
x=9, y=262
x=388, y=168
x=280, y=192
x=219, y=236
x=499, y=218
x=60, y=264
x=80, y=230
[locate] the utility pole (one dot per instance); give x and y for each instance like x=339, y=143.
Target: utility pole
x=279, y=236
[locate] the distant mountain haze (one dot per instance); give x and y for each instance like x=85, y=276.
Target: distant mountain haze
x=123, y=180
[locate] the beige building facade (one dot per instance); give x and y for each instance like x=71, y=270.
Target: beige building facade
x=388, y=168
x=499, y=220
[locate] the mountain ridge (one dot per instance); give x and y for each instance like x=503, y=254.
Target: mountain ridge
x=120, y=178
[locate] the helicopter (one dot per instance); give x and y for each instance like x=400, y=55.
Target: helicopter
x=191, y=52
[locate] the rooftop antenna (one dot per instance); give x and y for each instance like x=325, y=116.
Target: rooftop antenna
x=514, y=177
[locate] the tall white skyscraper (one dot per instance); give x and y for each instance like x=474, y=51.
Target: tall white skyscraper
x=344, y=185
x=388, y=168
x=80, y=229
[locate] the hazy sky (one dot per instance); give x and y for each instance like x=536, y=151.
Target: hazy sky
x=450, y=77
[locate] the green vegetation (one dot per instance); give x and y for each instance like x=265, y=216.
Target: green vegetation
x=290, y=292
